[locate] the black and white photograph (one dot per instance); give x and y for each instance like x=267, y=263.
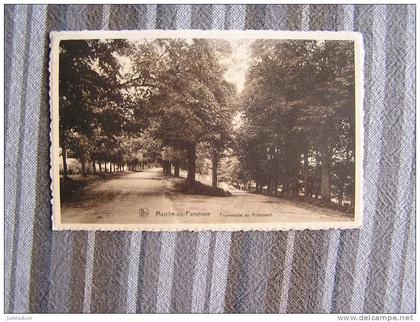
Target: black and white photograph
x=190, y=130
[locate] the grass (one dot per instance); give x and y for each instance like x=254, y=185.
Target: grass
x=73, y=187
x=319, y=203
x=199, y=189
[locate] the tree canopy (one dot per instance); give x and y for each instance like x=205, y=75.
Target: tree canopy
x=298, y=113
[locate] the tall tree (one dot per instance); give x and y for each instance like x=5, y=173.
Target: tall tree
x=88, y=77
x=190, y=105
x=297, y=99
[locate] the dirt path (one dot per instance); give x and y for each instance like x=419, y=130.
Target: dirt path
x=146, y=197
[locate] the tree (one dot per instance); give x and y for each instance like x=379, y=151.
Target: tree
x=190, y=105
x=297, y=100
x=88, y=76
x=330, y=105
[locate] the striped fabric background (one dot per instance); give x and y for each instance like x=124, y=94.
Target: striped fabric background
x=372, y=270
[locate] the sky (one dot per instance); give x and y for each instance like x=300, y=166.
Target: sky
x=238, y=63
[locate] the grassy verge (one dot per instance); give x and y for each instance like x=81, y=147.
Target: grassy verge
x=313, y=203
x=199, y=189
x=73, y=188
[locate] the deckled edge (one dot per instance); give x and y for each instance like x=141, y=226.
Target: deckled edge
x=357, y=223
x=360, y=131
x=50, y=102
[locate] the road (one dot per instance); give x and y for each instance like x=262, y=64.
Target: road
x=147, y=197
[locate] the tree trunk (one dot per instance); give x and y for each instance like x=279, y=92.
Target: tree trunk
x=105, y=167
x=340, y=195
x=316, y=184
x=93, y=166
x=65, y=174
x=167, y=168
x=348, y=158
x=176, y=170
x=325, y=172
x=215, y=164
x=100, y=166
x=258, y=186
x=83, y=168
x=276, y=186
x=306, y=175
x=286, y=186
x=191, y=156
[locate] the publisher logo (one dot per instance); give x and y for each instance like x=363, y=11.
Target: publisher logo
x=144, y=212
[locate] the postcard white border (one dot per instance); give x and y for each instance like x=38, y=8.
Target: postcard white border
x=57, y=36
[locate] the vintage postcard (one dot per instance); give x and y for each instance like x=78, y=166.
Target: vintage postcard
x=206, y=130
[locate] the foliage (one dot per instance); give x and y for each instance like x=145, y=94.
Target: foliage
x=298, y=103
x=166, y=101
